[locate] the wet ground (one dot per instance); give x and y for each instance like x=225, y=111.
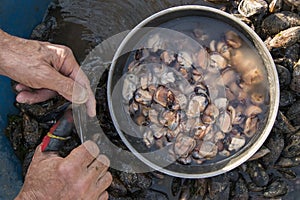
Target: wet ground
x=82, y=25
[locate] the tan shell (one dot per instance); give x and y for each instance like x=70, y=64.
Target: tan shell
x=167, y=57
x=257, y=98
x=210, y=114
x=200, y=132
x=253, y=76
x=143, y=96
x=224, y=122
x=218, y=61
x=227, y=77
x=184, y=59
x=236, y=143
x=153, y=116
x=252, y=111
x=236, y=116
x=164, y=96
x=286, y=38
x=167, y=78
x=129, y=86
x=224, y=50
x=158, y=131
x=295, y=84
x=171, y=119
x=250, y=126
x=196, y=106
x=233, y=39
x=208, y=150
x=184, y=145
x=148, y=138
x=202, y=59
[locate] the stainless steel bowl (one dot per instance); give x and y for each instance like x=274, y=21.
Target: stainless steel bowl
x=124, y=124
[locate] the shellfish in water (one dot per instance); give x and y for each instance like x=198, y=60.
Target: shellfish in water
x=203, y=104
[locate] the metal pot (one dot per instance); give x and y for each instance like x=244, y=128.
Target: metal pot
x=125, y=125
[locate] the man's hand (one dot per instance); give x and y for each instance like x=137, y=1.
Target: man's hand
x=42, y=69
x=78, y=176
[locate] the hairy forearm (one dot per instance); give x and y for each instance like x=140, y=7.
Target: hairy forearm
x=15, y=53
x=8, y=49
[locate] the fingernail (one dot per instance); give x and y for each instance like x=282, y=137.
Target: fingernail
x=92, y=148
x=20, y=99
x=104, y=160
x=80, y=94
x=18, y=88
x=92, y=109
x=92, y=113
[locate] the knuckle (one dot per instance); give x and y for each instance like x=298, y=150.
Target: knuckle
x=66, y=170
x=66, y=50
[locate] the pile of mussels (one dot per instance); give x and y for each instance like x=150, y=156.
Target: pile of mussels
x=272, y=173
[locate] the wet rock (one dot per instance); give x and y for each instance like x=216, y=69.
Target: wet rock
x=117, y=188
x=263, y=151
x=295, y=4
x=27, y=161
x=240, y=190
x=257, y=173
x=283, y=124
x=293, y=113
x=295, y=84
x=275, y=143
x=292, y=147
x=288, y=173
x=185, y=190
x=31, y=132
x=219, y=188
x=292, y=53
x=149, y=195
x=45, y=111
x=135, y=182
x=175, y=186
x=200, y=186
x=277, y=22
x=287, y=98
x=284, y=75
x=14, y=132
x=254, y=188
x=43, y=31
x=233, y=175
x=277, y=188
x=69, y=145
x=288, y=162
